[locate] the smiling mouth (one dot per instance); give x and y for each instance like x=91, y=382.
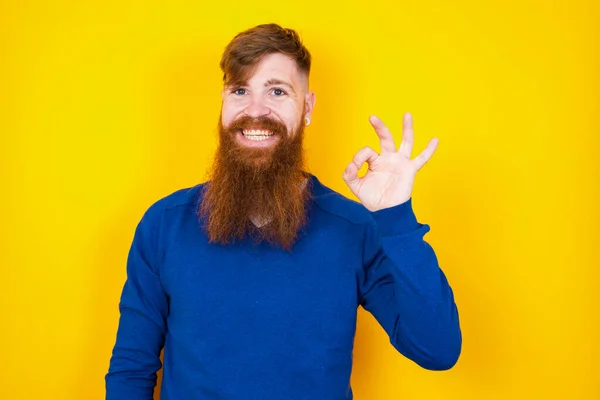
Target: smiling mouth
x=256, y=134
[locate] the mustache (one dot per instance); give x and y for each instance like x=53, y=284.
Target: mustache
x=261, y=123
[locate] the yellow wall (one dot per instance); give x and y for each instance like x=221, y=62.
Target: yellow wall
x=107, y=107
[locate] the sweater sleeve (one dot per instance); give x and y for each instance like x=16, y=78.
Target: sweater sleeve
x=142, y=324
x=406, y=291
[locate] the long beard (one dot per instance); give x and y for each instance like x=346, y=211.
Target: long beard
x=257, y=193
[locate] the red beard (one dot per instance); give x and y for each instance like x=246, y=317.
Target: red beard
x=265, y=185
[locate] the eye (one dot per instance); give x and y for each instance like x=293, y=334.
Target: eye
x=279, y=92
x=239, y=91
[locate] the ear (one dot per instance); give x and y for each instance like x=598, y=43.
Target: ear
x=223, y=95
x=309, y=104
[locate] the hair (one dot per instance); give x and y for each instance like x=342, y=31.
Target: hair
x=243, y=53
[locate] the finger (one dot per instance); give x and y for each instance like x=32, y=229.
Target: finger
x=426, y=154
x=386, y=140
x=350, y=176
x=365, y=155
x=408, y=137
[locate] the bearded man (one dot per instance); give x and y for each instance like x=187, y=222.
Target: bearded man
x=251, y=281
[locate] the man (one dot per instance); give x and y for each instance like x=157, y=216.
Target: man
x=251, y=282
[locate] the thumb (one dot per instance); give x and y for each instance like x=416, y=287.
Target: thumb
x=351, y=178
x=364, y=155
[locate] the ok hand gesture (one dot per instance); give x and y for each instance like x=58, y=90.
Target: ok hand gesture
x=390, y=177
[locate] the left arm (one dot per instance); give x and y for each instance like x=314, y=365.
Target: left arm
x=406, y=291
x=402, y=285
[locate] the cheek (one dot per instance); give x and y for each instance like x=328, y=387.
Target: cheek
x=292, y=118
x=298, y=120
x=225, y=119
x=228, y=113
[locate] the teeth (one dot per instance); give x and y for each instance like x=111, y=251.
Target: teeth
x=257, y=135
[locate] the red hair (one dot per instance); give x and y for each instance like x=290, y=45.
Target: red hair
x=246, y=49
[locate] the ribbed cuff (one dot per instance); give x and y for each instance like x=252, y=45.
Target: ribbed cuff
x=396, y=220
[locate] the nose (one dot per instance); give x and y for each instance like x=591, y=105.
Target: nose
x=257, y=107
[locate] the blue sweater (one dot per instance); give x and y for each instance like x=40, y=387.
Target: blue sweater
x=248, y=321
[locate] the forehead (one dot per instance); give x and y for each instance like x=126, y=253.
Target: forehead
x=276, y=66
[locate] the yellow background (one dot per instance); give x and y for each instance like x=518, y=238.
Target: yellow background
x=107, y=106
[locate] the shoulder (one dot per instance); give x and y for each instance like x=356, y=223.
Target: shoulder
x=337, y=205
x=178, y=200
